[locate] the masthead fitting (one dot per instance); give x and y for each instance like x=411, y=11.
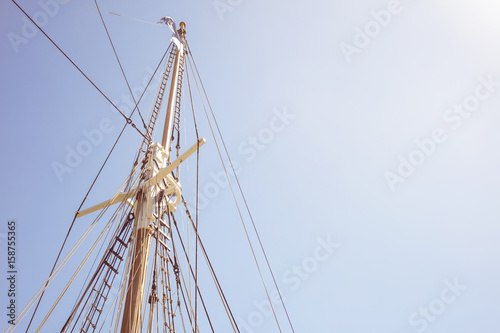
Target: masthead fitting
x=182, y=29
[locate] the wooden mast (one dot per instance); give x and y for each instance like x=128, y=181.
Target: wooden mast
x=145, y=201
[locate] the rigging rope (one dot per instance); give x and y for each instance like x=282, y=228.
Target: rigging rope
x=42, y=289
x=100, y=250
x=212, y=271
x=192, y=273
x=56, y=271
x=177, y=271
x=197, y=183
x=72, y=224
x=121, y=67
x=128, y=119
x=120, y=15
x=241, y=216
x=241, y=192
x=121, y=230
x=108, y=225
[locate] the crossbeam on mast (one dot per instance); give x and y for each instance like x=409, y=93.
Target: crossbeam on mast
x=155, y=180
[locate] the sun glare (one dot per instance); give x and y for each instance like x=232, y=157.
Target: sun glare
x=475, y=23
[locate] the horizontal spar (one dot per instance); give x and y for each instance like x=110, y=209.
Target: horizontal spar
x=163, y=173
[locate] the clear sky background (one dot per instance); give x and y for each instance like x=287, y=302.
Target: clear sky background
x=386, y=146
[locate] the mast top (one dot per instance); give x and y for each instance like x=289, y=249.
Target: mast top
x=182, y=30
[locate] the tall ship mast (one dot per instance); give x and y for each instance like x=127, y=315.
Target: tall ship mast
x=157, y=194
x=143, y=257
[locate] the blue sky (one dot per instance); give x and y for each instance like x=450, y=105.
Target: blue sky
x=376, y=127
